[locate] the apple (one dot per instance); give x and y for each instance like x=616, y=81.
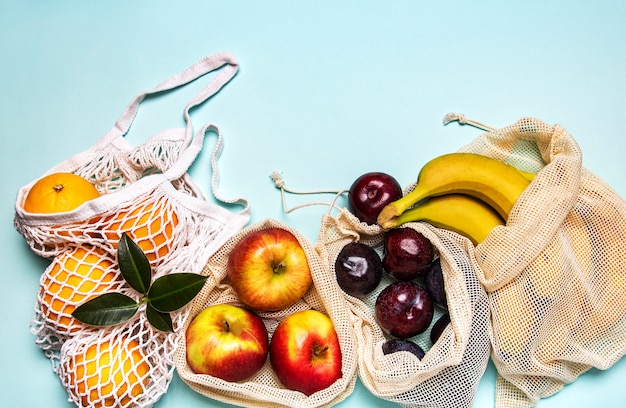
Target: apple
x=404, y=309
x=269, y=270
x=407, y=253
x=358, y=269
x=227, y=341
x=305, y=353
x=370, y=193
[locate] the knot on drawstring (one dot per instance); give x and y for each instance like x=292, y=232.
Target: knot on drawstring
x=451, y=117
x=278, y=179
x=459, y=117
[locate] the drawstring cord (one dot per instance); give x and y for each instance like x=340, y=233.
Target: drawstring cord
x=279, y=183
x=459, y=117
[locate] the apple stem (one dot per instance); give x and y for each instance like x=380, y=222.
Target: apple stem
x=226, y=326
x=319, y=351
x=279, y=268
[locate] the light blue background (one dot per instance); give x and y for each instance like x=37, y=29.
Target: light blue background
x=327, y=90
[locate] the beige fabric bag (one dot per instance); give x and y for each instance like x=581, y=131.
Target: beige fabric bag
x=263, y=389
x=449, y=373
x=556, y=274
x=147, y=193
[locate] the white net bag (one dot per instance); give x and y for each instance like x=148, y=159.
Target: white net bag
x=146, y=193
x=449, y=373
x=264, y=389
x=556, y=273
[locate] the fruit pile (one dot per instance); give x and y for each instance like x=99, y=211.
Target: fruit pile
x=269, y=271
x=94, y=280
x=414, y=287
x=272, y=322
x=467, y=193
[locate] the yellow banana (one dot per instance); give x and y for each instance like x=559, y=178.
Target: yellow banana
x=527, y=175
x=490, y=180
x=456, y=212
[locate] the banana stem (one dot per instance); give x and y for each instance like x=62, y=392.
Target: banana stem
x=388, y=216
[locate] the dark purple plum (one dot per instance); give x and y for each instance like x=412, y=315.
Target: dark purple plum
x=395, y=345
x=370, y=193
x=358, y=269
x=435, y=284
x=407, y=254
x=404, y=309
x=439, y=327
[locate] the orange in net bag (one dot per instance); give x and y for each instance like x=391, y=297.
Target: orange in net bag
x=106, y=371
x=264, y=389
x=556, y=273
x=145, y=192
x=73, y=278
x=449, y=373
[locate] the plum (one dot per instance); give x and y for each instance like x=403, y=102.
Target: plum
x=358, y=269
x=407, y=253
x=404, y=309
x=395, y=345
x=370, y=193
x=435, y=284
x=438, y=327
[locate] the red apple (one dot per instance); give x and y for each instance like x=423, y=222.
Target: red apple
x=228, y=342
x=269, y=270
x=370, y=193
x=305, y=352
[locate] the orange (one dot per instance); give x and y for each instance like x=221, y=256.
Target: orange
x=150, y=225
x=108, y=373
x=59, y=192
x=74, y=277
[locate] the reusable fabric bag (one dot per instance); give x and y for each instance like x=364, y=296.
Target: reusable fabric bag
x=556, y=273
x=147, y=193
x=449, y=373
x=263, y=390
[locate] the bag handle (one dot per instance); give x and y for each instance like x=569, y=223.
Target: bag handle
x=224, y=60
x=229, y=66
x=188, y=156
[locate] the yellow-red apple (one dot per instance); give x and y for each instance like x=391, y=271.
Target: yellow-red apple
x=227, y=341
x=269, y=270
x=305, y=353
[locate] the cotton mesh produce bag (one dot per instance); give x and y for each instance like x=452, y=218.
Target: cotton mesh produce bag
x=449, y=373
x=556, y=273
x=263, y=389
x=146, y=193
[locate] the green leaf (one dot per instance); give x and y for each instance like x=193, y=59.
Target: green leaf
x=159, y=320
x=171, y=292
x=106, y=310
x=134, y=264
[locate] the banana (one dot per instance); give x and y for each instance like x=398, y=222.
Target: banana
x=456, y=212
x=527, y=175
x=490, y=180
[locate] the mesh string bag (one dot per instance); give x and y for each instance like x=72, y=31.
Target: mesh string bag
x=145, y=192
x=556, y=273
x=449, y=373
x=263, y=389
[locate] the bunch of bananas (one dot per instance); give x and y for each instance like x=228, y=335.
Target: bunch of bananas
x=464, y=192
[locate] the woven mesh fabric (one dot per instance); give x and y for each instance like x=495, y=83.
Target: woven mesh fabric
x=147, y=194
x=457, y=361
x=556, y=273
x=263, y=389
